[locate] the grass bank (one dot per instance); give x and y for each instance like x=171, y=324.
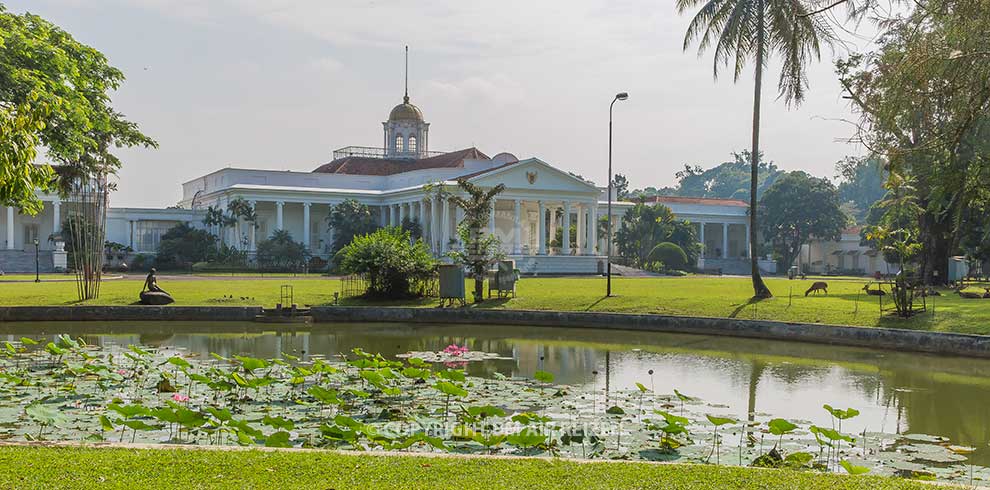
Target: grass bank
x=846, y=303
x=74, y=467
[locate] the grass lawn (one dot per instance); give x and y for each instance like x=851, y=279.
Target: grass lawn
x=846, y=303
x=63, y=467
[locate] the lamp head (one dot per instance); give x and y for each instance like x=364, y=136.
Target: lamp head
x=622, y=96
x=35, y=241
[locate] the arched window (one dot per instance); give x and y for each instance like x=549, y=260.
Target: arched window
x=399, y=143
x=411, y=146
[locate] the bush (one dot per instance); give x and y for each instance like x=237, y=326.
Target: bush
x=392, y=263
x=184, y=245
x=279, y=252
x=670, y=254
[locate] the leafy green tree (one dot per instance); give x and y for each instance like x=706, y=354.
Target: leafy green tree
x=281, y=252
x=923, y=99
x=19, y=176
x=645, y=226
x=740, y=30
x=183, y=245
x=796, y=208
x=395, y=266
x=238, y=209
x=481, y=249
x=861, y=183
x=219, y=221
x=728, y=180
x=348, y=220
x=55, y=91
x=621, y=186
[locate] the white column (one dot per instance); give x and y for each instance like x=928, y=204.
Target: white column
x=565, y=246
x=725, y=240
x=402, y=213
x=701, y=236
x=10, y=228
x=444, y=225
x=552, y=232
x=592, y=228
x=278, y=214
x=418, y=213
x=517, y=228
x=56, y=216
x=579, y=239
x=491, y=220
x=252, y=235
x=306, y=235
x=541, y=228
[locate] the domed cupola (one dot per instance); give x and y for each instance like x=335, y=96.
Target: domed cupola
x=406, y=133
x=405, y=112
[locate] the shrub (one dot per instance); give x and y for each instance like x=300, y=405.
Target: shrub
x=183, y=245
x=392, y=263
x=280, y=252
x=670, y=254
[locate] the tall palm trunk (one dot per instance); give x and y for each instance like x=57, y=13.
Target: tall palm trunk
x=760, y=289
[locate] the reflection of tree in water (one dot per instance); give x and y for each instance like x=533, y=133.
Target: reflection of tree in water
x=930, y=405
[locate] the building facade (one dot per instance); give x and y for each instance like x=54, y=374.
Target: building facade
x=395, y=181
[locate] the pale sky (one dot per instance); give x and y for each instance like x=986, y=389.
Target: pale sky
x=279, y=84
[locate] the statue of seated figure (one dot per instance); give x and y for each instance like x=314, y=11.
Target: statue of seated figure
x=152, y=294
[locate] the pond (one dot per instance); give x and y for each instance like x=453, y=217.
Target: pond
x=920, y=413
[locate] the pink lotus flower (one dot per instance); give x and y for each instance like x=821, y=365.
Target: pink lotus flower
x=456, y=350
x=122, y=372
x=179, y=397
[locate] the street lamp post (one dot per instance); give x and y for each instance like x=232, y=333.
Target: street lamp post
x=608, y=258
x=37, y=262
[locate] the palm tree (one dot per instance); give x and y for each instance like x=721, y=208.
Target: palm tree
x=757, y=29
x=480, y=250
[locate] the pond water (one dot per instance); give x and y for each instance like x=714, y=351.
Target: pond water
x=899, y=393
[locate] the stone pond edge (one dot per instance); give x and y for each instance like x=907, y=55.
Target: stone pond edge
x=942, y=343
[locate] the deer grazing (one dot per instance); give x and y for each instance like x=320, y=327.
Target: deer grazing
x=817, y=286
x=874, y=292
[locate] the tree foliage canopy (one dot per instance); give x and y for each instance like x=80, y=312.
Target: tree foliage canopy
x=645, y=226
x=349, y=219
x=923, y=100
x=55, y=91
x=796, y=208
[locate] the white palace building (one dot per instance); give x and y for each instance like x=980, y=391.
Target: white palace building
x=393, y=180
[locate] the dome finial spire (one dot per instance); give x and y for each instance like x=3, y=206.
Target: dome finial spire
x=405, y=98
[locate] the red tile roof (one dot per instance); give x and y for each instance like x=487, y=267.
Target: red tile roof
x=852, y=230
x=697, y=200
x=356, y=165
